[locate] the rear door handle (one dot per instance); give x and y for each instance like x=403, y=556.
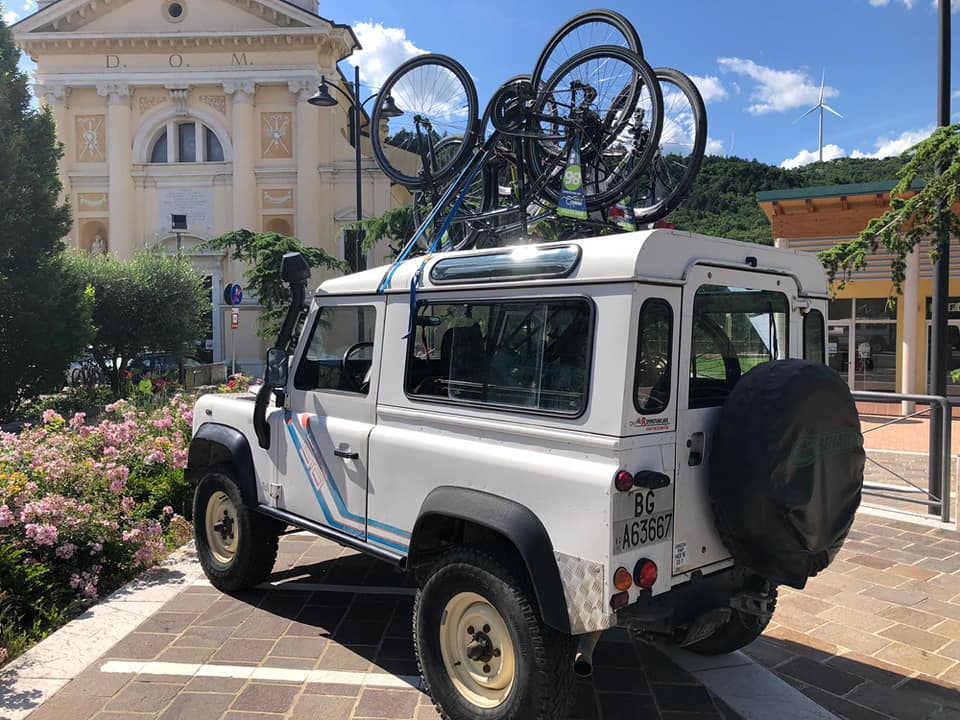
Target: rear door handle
x=346, y=454
x=695, y=443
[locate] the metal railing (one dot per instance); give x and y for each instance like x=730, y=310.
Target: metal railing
x=937, y=498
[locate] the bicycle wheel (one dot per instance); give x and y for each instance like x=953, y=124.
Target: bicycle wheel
x=611, y=98
x=669, y=177
x=586, y=30
x=437, y=99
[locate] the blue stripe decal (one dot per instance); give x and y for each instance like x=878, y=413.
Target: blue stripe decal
x=338, y=499
x=316, y=491
x=387, y=543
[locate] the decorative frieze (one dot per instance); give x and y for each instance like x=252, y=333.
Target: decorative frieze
x=93, y=202
x=279, y=199
x=217, y=102
x=149, y=102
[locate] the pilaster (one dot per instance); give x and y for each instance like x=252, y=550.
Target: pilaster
x=308, y=162
x=122, y=233
x=245, y=144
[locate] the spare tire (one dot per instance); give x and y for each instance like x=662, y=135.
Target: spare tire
x=786, y=469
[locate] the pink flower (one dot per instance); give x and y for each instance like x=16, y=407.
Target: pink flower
x=66, y=551
x=6, y=517
x=117, y=475
x=167, y=510
x=51, y=416
x=4, y=653
x=42, y=534
x=127, y=503
x=180, y=459
x=110, y=452
x=95, y=547
x=78, y=421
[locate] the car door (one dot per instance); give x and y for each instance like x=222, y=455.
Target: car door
x=323, y=432
x=731, y=321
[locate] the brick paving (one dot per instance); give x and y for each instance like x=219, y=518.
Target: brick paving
x=353, y=652
x=877, y=635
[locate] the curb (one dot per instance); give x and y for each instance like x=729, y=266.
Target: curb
x=31, y=679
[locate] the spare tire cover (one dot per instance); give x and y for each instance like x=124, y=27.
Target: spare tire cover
x=786, y=469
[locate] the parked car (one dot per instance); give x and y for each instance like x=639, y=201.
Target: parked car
x=554, y=439
x=161, y=366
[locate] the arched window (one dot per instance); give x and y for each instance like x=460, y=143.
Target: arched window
x=191, y=141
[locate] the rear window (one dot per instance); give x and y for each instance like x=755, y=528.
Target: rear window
x=651, y=391
x=814, y=337
x=527, y=354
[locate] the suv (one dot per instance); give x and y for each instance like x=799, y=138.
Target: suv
x=554, y=439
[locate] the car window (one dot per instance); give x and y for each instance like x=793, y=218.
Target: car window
x=733, y=331
x=813, y=337
x=651, y=392
x=521, y=354
x=339, y=355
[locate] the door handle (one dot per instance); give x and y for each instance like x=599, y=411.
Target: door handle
x=346, y=454
x=695, y=443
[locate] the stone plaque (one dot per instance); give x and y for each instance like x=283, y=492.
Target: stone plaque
x=276, y=130
x=195, y=203
x=278, y=199
x=90, y=202
x=91, y=138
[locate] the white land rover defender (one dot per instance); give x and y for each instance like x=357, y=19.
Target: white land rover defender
x=555, y=439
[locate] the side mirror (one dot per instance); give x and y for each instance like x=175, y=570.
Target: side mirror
x=277, y=368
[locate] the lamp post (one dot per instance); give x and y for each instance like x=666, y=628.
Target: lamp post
x=323, y=98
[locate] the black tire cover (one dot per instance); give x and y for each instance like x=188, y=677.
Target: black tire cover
x=786, y=469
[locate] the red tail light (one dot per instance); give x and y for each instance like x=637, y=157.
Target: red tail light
x=645, y=574
x=619, y=600
x=622, y=579
x=623, y=481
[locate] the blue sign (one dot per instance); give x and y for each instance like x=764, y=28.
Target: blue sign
x=233, y=294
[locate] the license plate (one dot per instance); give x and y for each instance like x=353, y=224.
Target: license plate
x=637, y=532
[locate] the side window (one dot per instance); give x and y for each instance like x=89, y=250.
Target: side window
x=813, y=337
x=339, y=355
x=734, y=330
x=651, y=389
x=520, y=354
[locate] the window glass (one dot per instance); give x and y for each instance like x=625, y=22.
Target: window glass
x=840, y=309
x=813, y=340
x=524, y=354
x=654, y=348
x=159, y=153
x=877, y=309
x=187, y=138
x=340, y=353
x=214, y=148
x=734, y=330
x=353, y=250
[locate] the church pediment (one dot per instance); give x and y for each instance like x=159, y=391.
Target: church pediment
x=135, y=18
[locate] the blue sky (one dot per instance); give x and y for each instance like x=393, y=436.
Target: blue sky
x=758, y=61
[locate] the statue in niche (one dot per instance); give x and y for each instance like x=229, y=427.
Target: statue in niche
x=99, y=245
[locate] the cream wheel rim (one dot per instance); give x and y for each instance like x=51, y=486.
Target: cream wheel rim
x=477, y=650
x=221, y=527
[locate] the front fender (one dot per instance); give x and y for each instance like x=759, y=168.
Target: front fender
x=216, y=444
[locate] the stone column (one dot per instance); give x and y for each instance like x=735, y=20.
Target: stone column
x=121, y=240
x=913, y=333
x=308, y=154
x=244, y=140
x=56, y=97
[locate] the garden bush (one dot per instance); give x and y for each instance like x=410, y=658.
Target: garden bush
x=85, y=507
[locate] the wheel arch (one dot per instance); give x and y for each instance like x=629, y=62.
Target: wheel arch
x=447, y=513
x=216, y=444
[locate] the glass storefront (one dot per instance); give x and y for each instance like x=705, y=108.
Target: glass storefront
x=870, y=361
x=953, y=343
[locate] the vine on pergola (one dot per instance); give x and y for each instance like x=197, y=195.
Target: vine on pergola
x=912, y=218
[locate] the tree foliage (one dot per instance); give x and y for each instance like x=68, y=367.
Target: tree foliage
x=45, y=312
x=262, y=253
x=395, y=226
x=921, y=206
x=152, y=302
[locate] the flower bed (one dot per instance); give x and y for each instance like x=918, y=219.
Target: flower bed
x=83, y=508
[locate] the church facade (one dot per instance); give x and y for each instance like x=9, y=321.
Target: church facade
x=198, y=108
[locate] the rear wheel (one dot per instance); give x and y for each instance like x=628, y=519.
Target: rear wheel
x=483, y=650
x=237, y=546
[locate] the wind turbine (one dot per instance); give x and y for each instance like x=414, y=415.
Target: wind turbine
x=821, y=106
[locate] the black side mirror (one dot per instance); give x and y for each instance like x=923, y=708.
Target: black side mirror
x=277, y=368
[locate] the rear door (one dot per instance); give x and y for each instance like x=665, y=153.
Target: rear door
x=731, y=321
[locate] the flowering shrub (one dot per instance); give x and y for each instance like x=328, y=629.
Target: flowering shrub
x=85, y=507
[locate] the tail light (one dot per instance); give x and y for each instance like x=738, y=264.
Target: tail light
x=619, y=600
x=623, y=481
x=622, y=580
x=645, y=574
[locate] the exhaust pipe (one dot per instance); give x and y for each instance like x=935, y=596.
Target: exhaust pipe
x=583, y=660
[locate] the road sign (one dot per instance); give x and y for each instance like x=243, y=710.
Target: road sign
x=234, y=319
x=232, y=294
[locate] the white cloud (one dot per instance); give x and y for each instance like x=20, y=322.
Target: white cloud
x=805, y=157
x=384, y=48
x=888, y=147
x=710, y=88
x=714, y=147
x=10, y=17
x=777, y=90
x=883, y=3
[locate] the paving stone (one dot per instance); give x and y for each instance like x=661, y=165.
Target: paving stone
x=912, y=617
x=890, y=701
x=394, y=666
x=621, y=680
x=225, y=612
x=265, y=697
x=831, y=679
x=625, y=706
x=322, y=707
x=872, y=561
x=302, y=647
x=768, y=653
x=844, y=708
x=683, y=698
x=261, y=625
x=206, y=637
x=234, y=650
x=851, y=638
x=938, y=607
x=913, y=572
x=290, y=663
x=797, y=619
x=949, y=628
x=331, y=689
x=952, y=676
x=214, y=684
x=185, y=655
x=897, y=595
x=430, y=713
x=810, y=605
x=140, y=646
x=399, y=704
x=360, y=633
x=914, y=658
x=75, y=707
x=869, y=668
x=800, y=644
x=913, y=636
x=951, y=651
x=861, y=603
x=143, y=697
x=96, y=683
x=192, y=706
x=933, y=690
x=234, y=715
x=856, y=619
x=339, y=657
x=398, y=648
x=189, y=602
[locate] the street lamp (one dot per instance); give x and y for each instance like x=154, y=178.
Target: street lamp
x=323, y=98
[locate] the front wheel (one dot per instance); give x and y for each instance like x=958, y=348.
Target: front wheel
x=482, y=647
x=237, y=546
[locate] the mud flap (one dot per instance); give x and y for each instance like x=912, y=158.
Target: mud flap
x=706, y=625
